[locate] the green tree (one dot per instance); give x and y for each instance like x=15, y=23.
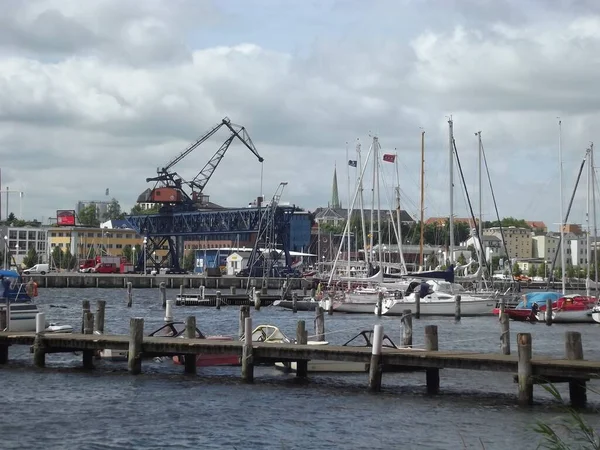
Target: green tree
x=189, y=260
x=137, y=210
x=31, y=259
x=541, y=270
x=517, y=270
x=128, y=253
x=570, y=271
x=113, y=211
x=68, y=260
x=88, y=216
x=57, y=257
x=532, y=271
x=461, y=260
x=495, y=263
x=11, y=218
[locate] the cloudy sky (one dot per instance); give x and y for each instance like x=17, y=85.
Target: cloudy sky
x=98, y=94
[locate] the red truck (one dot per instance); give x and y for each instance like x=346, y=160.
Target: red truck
x=106, y=264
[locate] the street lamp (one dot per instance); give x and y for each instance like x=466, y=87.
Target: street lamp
x=5, y=251
x=16, y=252
x=145, y=241
x=133, y=255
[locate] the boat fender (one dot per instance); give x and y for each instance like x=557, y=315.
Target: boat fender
x=35, y=289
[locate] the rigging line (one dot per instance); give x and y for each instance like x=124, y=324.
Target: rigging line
x=462, y=176
x=487, y=171
x=565, y=221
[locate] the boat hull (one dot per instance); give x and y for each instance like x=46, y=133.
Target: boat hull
x=439, y=308
x=579, y=316
x=326, y=366
x=353, y=308
x=22, y=316
x=301, y=305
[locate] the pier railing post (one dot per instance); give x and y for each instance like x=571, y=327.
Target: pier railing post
x=247, y=357
x=39, y=348
x=432, y=375
x=129, y=294
x=162, y=288
x=301, y=339
x=88, y=328
x=376, y=368
x=319, y=324
x=505, y=336
x=417, y=305
x=190, y=333
x=407, y=330
x=136, y=339
x=85, y=308
x=524, y=370
x=457, y=308
x=100, y=313
x=244, y=312
x=574, y=351
x=548, y=315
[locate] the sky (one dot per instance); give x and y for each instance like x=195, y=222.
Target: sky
x=96, y=95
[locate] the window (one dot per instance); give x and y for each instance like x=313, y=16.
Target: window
x=119, y=236
x=90, y=235
x=31, y=235
x=22, y=235
x=12, y=234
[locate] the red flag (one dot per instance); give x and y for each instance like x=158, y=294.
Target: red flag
x=388, y=157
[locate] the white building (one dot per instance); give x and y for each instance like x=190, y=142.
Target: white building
x=101, y=207
x=20, y=239
x=236, y=262
x=492, y=245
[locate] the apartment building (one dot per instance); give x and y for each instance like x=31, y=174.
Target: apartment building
x=518, y=240
x=19, y=240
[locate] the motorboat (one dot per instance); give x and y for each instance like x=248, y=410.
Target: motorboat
x=19, y=296
x=596, y=313
x=529, y=306
x=570, y=309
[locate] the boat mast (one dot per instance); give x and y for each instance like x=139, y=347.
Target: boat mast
x=362, y=202
x=399, y=219
x=593, y=169
x=562, y=231
x=422, y=197
x=587, y=221
x=378, y=164
x=348, y=215
x=451, y=173
x=480, y=225
x=371, y=229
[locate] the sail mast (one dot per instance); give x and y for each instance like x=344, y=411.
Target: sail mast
x=480, y=225
x=587, y=222
x=399, y=219
x=451, y=173
x=593, y=169
x=422, y=197
x=562, y=231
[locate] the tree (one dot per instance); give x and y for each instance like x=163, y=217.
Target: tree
x=541, y=270
x=113, y=211
x=570, y=271
x=128, y=253
x=57, y=257
x=88, y=216
x=461, y=260
x=32, y=258
x=11, y=218
x=517, y=270
x=189, y=260
x=137, y=210
x=68, y=260
x=532, y=271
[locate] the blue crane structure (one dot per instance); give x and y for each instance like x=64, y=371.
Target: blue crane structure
x=189, y=216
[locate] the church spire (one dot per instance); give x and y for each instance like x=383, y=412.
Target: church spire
x=335, y=198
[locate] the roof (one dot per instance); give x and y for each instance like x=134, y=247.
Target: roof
x=342, y=213
x=117, y=223
x=536, y=224
x=443, y=220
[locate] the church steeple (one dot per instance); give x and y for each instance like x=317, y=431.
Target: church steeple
x=335, y=198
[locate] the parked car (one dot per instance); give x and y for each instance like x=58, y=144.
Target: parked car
x=42, y=269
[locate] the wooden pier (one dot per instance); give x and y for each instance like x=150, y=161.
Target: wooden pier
x=528, y=370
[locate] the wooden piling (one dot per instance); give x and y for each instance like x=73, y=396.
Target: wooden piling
x=233, y=290
x=432, y=376
x=379, y=303
x=129, y=294
x=85, y=308
x=524, y=370
x=218, y=300
x=264, y=290
x=502, y=307
x=375, y=367
x=548, y=315
x=202, y=289
x=457, y=308
x=88, y=328
x=505, y=336
x=294, y=302
x=301, y=339
x=319, y=324
x=190, y=333
x=329, y=305
x=304, y=288
x=247, y=358
x=136, y=336
x=257, y=300
x=574, y=351
x=3, y=350
x=100, y=313
x=313, y=293
x=244, y=312
x=3, y=320
x=407, y=330
x=181, y=290
x=417, y=305
x=162, y=288
x=39, y=351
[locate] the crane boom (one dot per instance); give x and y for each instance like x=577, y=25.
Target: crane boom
x=200, y=180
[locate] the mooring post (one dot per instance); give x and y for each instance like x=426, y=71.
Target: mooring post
x=304, y=287
x=3, y=350
x=301, y=339
x=202, y=288
x=376, y=368
x=85, y=308
x=329, y=306
x=432, y=375
x=294, y=302
x=88, y=328
x=136, y=338
x=548, y=315
x=257, y=300
x=319, y=324
x=190, y=333
x=181, y=291
x=100, y=312
x=2, y=319
x=247, y=358
x=502, y=307
x=218, y=300
x=574, y=351
x=244, y=312
x=232, y=290
x=169, y=312
x=129, y=294
x=379, y=303
x=417, y=305
x=407, y=330
x=39, y=348
x=313, y=293
x=524, y=369
x=264, y=289
x=162, y=288
x=505, y=336
x=457, y=308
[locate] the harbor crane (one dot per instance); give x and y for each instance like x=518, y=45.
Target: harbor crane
x=169, y=191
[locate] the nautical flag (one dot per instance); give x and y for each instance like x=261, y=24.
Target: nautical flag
x=388, y=157
x=352, y=163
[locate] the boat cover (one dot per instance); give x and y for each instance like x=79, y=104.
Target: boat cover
x=537, y=297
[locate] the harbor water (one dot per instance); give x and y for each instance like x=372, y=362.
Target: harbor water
x=63, y=406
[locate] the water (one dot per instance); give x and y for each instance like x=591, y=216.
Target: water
x=63, y=406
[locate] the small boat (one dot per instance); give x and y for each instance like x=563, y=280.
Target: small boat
x=523, y=310
x=570, y=309
x=596, y=313
x=22, y=310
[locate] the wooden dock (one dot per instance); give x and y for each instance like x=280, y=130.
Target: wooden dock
x=528, y=370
